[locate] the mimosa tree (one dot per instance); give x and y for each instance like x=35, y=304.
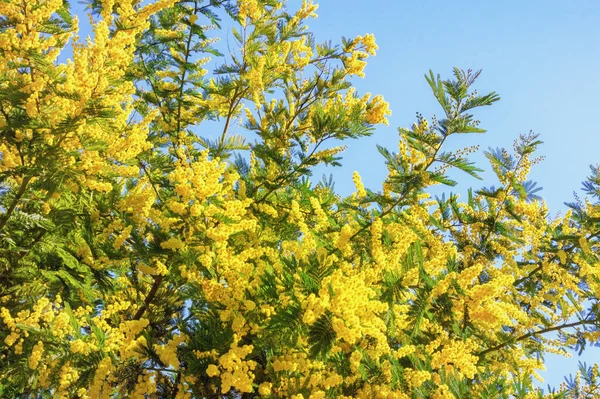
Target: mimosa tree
x=160, y=236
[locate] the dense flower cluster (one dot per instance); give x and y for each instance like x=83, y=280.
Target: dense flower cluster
x=141, y=255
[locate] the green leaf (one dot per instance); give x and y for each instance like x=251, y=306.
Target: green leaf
x=321, y=336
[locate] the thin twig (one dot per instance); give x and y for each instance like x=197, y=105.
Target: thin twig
x=14, y=202
x=533, y=333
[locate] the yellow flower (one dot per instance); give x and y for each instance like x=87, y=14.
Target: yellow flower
x=172, y=243
x=377, y=111
x=360, y=188
x=264, y=389
x=36, y=355
x=212, y=370
x=562, y=255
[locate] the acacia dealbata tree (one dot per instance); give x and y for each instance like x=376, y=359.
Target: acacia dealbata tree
x=160, y=236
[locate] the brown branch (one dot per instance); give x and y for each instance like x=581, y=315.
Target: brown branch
x=149, y=298
x=533, y=333
x=176, y=384
x=529, y=275
x=141, y=163
x=232, y=105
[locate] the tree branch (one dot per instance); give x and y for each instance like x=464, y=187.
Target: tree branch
x=533, y=333
x=149, y=298
x=14, y=202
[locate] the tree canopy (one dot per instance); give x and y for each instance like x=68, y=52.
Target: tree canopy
x=161, y=237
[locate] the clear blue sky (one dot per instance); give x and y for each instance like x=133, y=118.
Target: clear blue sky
x=542, y=57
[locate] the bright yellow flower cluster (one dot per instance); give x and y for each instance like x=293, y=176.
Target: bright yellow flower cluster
x=359, y=49
x=360, y=188
x=456, y=355
x=171, y=257
x=36, y=355
x=377, y=111
x=416, y=378
x=235, y=372
x=248, y=9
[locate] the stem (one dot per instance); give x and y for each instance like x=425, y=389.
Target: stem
x=306, y=102
x=176, y=385
x=533, y=333
x=181, y=86
x=235, y=100
x=14, y=202
x=232, y=104
x=153, y=290
x=288, y=175
x=150, y=179
x=160, y=370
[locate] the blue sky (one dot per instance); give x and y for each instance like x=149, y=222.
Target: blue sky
x=541, y=57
